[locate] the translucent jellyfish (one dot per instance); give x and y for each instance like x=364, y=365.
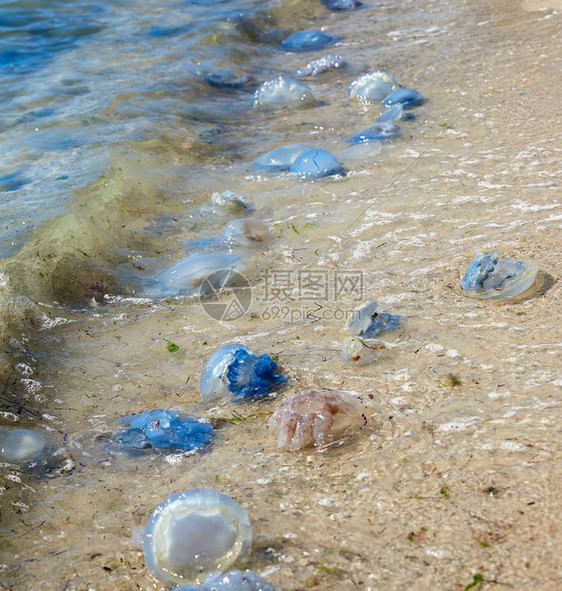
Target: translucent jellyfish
x=316, y=163
x=283, y=92
x=162, y=429
x=225, y=78
x=194, y=533
x=362, y=151
x=225, y=204
x=361, y=351
x=392, y=114
x=308, y=40
x=233, y=580
x=246, y=232
x=380, y=131
x=317, y=417
x=186, y=276
x=336, y=5
x=236, y=370
x=372, y=87
x=366, y=320
x=280, y=158
x=406, y=97
x=490, y=278
x=323, y=64
x=22, y=445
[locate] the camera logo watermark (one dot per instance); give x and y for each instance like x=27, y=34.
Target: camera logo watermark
x=288, y=295
x=225, y=295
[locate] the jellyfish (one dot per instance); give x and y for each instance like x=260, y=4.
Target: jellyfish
x=236, y=370
x=194, y=533
x=337, y=5
x=317, y=417
x=225, y=204
x=378, y=132
x=21, y=445
x=233, y=580
x=323, y=64
x=162, y=429
x=315, y=164
x=490, y=278
x=246, y=232
x=283, y=92
x=405, y=96
x=186, y=276
x=361, y=351
x=360, y=151
x=280, y=158
x=366, y=320
x=372, y=87
x=307, y=40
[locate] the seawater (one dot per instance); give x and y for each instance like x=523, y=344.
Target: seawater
x=111, y=140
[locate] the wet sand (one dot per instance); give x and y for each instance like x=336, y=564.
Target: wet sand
x=455, y=478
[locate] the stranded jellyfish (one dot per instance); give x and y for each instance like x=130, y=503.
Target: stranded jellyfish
x=233, y=580
x=225, y=204
x=490, y=278
x=280, y=158
x=162, y=429
x=21, y=445
x=283, y=92
x=361, y=351
x=367, y=321
x=237, y=371
x=186, y=276
x=405, y=96
x=317, y=417
x=380, y=131
x=323, y=64
x=194, y=533
x=308, y=40
x=372, y=87
x=315, y=164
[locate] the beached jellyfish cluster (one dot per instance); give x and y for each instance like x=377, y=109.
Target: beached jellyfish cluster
x=492, y=278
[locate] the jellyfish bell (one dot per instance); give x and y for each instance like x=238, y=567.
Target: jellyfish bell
x=194, y=533
x=317, y=417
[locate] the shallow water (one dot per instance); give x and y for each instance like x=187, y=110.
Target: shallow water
x=456, y=472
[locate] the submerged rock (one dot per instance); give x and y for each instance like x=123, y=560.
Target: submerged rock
x=186, y=276
x=488, y=277
x=323, y=64
x=366, y=320
x=233, y=580
x=317, y=417
x=162, y=429
x=280, y=158
x=194, y=533
x=236, y=370
x=405, y=96
x=315, y=164
x=372, y=87
x=380, y=131
x=307, y=40
x=283, y=92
